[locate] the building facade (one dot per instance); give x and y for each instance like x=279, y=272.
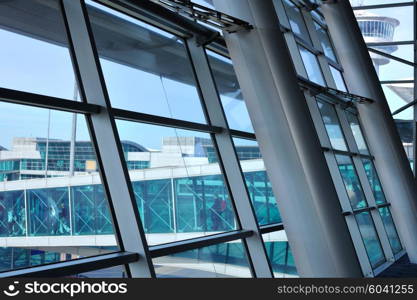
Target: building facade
x=210, y=139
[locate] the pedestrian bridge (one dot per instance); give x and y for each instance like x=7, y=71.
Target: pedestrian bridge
x=175, y=203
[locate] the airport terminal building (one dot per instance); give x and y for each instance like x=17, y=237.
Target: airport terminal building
x=210, y=138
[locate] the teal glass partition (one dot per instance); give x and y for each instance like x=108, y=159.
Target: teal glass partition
x=370, y=239
x=197, y=204
x=48, y=211
x=389, y=226
x=154, y=200
x=202, y=205
x=90, y=211
x=351, y=181
x=263, y=199
x=12, y=213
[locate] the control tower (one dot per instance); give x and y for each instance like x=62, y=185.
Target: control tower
x=380, y=29
x=377, y=29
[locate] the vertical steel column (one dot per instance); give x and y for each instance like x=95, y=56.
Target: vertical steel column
x=130, y=233
x=415, y=88
x=245, y=212
x=294, y=160
x=384, y=142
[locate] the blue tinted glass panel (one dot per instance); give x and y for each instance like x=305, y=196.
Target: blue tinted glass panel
x=34, y=54
x=230, y=93
x=332, y=125
x=257, y=182
x=154, y=200
x=325, y=42
x=146, y=69
x=338, y=79
x=182, y=192
x=312, y=66
x=280, y=255
x=392, y=234
x=90, y=211
x=370, y=239
x=296, y=20
x=12, y=213
x=374, y=181
x=202, y=205
x=351, y=181
x=49, y=212
x=357, y=133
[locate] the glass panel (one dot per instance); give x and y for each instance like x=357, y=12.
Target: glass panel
x=50, y=187
x=357, y=133
x=279, y=254
x=17, y=258
x=42, y=136
x=351, y=181
x=338, y=79
x=296, y=20
x=90, y=211
x=370, y=239
x=325, y=42
x=398, y=24
x=47, y=68
x=332, y=124
x=49, y=212
x=398, y=95
x=390, y=69
x=374, y=181
x=312, y=67
x=257, y=182
x=230, y=93
x=146, y=69
x=392, y=234
x=12, y=214
x=225, y=260
x=401, y=51
x=181, y=192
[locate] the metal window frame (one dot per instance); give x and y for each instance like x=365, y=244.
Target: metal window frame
x=232, y=170
x=346, y=208
x=411, y=5
x=348, y=212
x=115, y=177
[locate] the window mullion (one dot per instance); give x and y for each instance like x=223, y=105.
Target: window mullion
x=243, y=206
x=130, y=233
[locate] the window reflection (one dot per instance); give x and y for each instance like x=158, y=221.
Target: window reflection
x=374, y=181
x=338, y=78
x=257, y=182
x=332, y=125
x=146, y=69
x=392, y=234
x=230, y=93
x=34, y=55
x=370, y=239
x=325, y=42
x=181, y=190
x=351, y=181
x=357, y=133
x=50, y=193
x=225, y=260
x=312, y=66
x=296, y=20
